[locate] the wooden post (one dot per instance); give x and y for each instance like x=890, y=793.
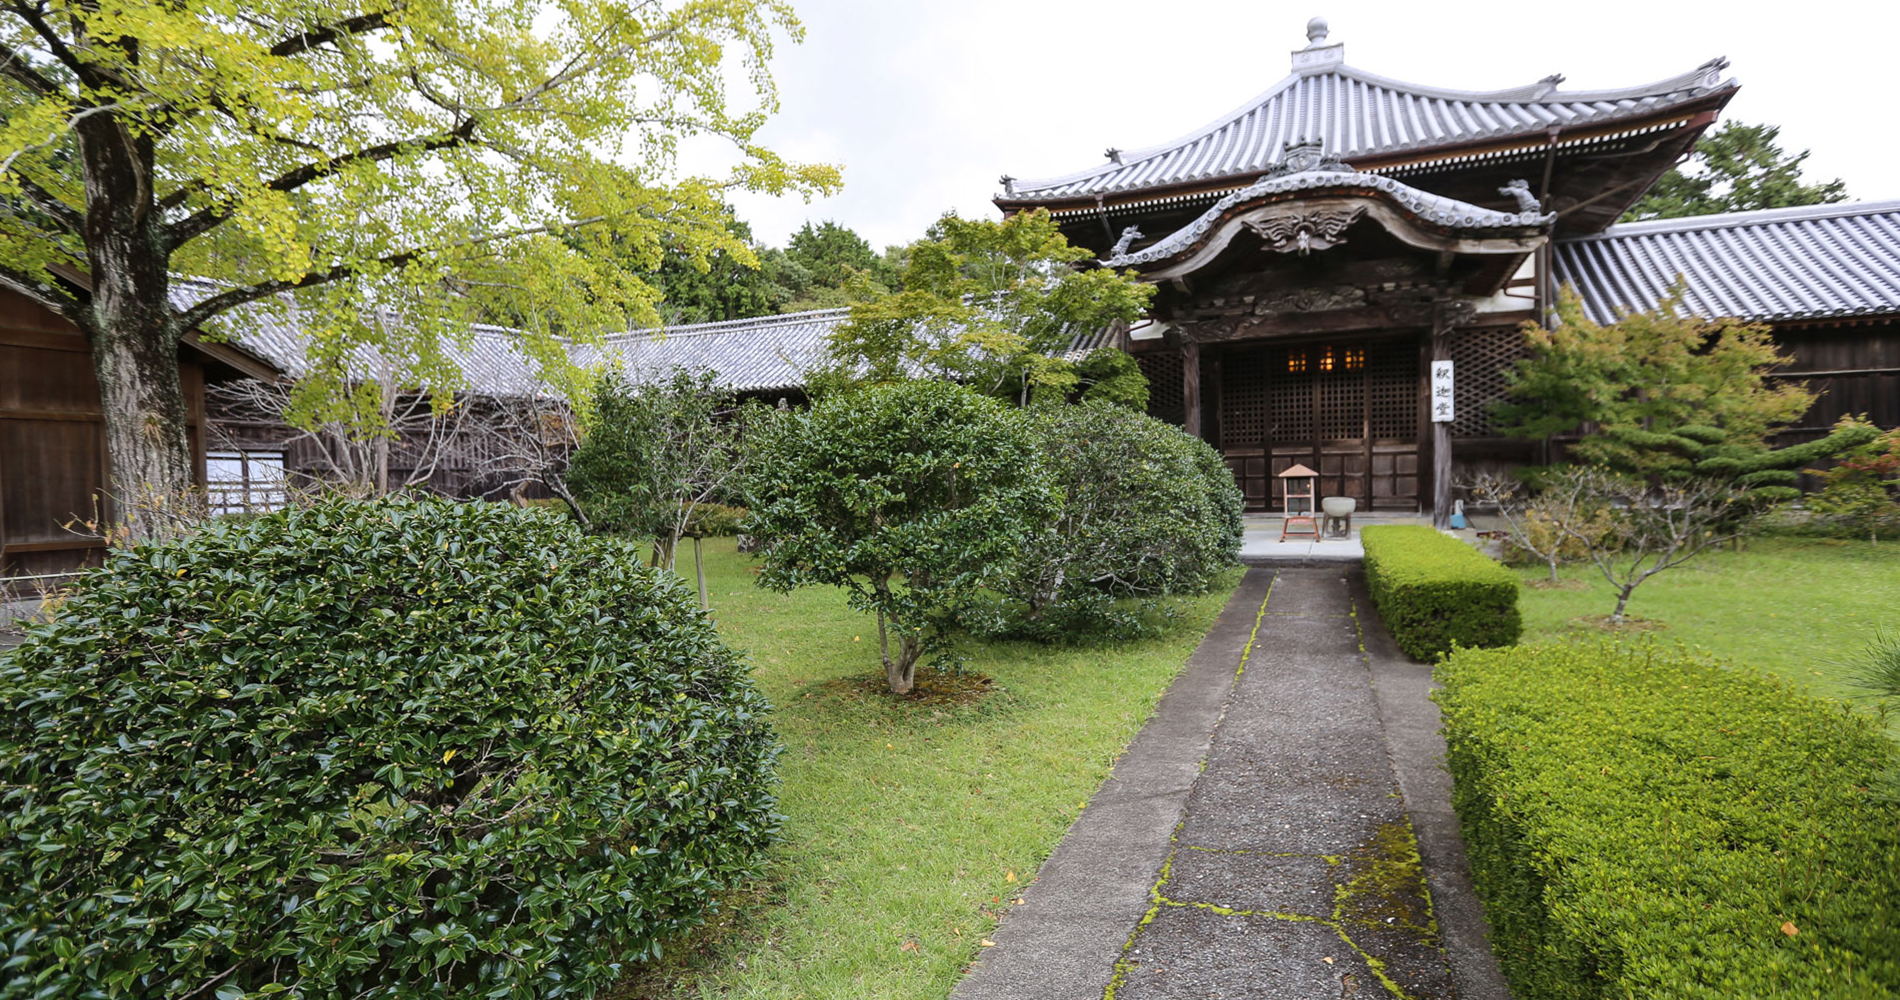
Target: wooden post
x=699, y=567
x=1191, y=387
x=1441, y=430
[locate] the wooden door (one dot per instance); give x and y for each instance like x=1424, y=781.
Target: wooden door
x=1348, y=411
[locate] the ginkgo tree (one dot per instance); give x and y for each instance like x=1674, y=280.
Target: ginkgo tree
x=358, y=157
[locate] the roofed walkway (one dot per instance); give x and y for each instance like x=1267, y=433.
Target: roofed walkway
x=1281, y=828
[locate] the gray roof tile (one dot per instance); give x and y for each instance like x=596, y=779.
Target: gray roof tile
x=1360, y=115
x=1781, y=264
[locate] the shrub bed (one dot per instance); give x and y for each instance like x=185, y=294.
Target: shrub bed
x=394, y=749
x=1642, y=823
x=1435, y=591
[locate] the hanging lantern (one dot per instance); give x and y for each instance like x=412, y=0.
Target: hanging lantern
x=1298, y=487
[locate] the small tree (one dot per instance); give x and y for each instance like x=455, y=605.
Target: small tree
x=529, y=441
x=1862, y=491
x=908, y=496
x=1534, y=521
x=1634, y=385
x=374, y=437
x=1648, y=529
x=994, y=305
x=653, y=453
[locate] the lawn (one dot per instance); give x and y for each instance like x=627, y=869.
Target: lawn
x=1801, y=608
x=909, y=825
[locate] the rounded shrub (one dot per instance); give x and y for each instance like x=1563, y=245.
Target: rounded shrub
x=1145, y=511
x=392, y=749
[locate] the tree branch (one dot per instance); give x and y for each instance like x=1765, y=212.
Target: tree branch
x=50, y=203
x=304, y=41
x=15, y=67
x=66, y=308
x=206, y=219
x=196, y=316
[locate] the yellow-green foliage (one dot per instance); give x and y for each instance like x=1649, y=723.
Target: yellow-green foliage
x=1644, y=823
x=402, y=166
x=1435, y=592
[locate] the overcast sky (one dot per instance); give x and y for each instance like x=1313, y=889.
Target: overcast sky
x=925, y=104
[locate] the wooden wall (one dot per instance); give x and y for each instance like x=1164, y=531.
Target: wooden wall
x=52, y=439
x=1855, y=370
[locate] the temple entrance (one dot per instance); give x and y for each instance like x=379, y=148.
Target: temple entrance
x=1348, y=410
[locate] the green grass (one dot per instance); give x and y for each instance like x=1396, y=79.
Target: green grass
x=909, y=826
x=1800, y=608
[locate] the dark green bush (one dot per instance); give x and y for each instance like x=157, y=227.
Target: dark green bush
x=392, y=749
x=1642, y=823
x=1435, y=591
x=1144, y=511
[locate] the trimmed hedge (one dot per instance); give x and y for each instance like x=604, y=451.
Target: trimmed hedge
x=1642, y=823
x=381, y=750
x=1435, y=591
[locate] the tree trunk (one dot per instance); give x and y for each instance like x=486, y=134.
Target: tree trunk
x=128, y=324
x=1553, y=570
x=1622, y=601
x=900, y=671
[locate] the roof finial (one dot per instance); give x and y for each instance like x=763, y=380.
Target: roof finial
x=1113, y=154
x=1319, y=56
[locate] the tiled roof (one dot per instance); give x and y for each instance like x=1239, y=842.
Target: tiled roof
x=1359, y=115
x=745, y=355
x=1781, y=264
x=490, y=362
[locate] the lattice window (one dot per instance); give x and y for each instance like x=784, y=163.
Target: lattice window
x=1243, y=400
x=1483, y=357
x=1392, y=393
x=1342, y=405
x=1163, y=369
x=1290, y=398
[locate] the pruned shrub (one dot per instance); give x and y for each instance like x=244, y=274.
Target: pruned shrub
x=1144, y=511
x=909, y=496
x=1643, y=823
x=1434, y=591
x=392, y=749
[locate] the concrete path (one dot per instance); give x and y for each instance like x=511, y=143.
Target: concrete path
x=1281, y=828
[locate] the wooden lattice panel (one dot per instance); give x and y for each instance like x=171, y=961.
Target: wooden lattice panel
x=1483, y=357
x=1163, y=369
x=1243, y=399
x=1392, y=393
x=1342, y=404
x=1290, y=396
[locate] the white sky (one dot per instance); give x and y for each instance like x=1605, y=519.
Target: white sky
x=924, y=104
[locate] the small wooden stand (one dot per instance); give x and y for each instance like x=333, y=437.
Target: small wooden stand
x=1296, y=496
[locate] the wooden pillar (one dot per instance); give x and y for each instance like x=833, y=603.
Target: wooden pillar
x=1191, y=387
x=1441, y=430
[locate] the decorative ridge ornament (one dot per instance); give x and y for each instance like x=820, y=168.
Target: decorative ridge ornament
x=1436, y=209
x=1521, y=190
x=1303, y=155
x=1129, y=236
x=1305, y=232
